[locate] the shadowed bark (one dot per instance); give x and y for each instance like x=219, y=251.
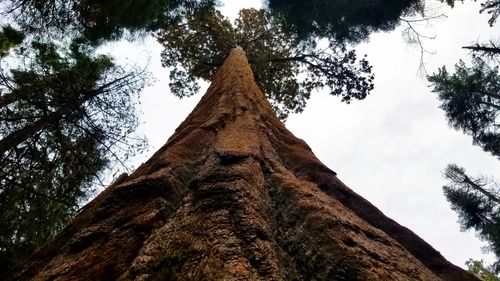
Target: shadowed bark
x=233, y=195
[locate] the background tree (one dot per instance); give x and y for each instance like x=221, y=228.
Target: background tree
x=343, y=20
x=97, y=21
x=65, y=115
x=477, y=202
x=480, y=270
x=286, y=68
x=470, y=98
x=9, y=38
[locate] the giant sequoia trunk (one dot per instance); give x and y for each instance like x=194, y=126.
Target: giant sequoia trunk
x=233, y=195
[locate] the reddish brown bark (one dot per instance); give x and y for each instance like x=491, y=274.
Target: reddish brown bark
x=233, y=195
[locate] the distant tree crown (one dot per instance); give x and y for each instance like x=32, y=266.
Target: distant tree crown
x=287, y=68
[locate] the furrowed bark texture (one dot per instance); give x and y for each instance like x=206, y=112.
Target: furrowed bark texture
x=233, y=195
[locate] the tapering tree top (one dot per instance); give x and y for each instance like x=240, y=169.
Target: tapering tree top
x=287, y=69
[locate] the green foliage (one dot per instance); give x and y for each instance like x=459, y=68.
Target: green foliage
x=470, y=98
x=342, y=20
x=9, y=38
x=97, y=21
x=480, y=271
x=37, y=16
x=286, y=68
x=477, y=202
x=64, y=116
x=108, y=19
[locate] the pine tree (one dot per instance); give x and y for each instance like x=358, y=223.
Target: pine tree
x=65, y=115
x=96, y=21
x=477, y=202
x=470, y=98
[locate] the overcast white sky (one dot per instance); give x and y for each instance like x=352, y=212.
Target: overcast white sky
x=391, y=147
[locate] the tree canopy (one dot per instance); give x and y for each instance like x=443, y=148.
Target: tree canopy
x=350, y=21
x=470, y=98
x=97, y=21
x=65, y=114
x=481, y=271
x=287, y=68
x=477, y=202
x=9, y=38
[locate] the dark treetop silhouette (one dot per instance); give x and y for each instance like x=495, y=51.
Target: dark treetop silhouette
x=233, y=195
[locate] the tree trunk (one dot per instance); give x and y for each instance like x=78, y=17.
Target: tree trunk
x=233, y=195
x=13, y=139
